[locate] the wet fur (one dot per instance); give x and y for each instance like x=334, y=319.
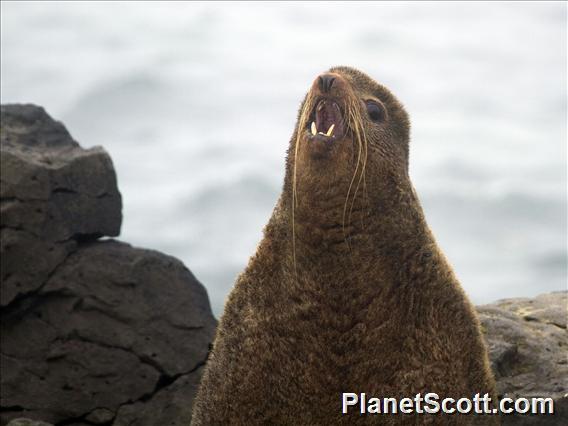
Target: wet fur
x=347, y=292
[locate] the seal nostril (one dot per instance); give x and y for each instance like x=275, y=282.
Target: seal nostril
x=321, y=83
x=325, y=82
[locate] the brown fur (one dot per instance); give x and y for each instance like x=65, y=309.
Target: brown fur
x=348, y=290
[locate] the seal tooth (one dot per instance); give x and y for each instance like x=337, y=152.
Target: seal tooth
x=314, y=128
x=330, y=130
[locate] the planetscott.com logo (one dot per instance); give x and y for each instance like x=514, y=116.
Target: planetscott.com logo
x=430, y=403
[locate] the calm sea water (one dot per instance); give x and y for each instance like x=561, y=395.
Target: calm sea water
x=196, y=102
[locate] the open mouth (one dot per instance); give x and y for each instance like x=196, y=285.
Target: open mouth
x=326, y=121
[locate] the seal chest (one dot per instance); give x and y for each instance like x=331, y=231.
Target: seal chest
x=348, y=290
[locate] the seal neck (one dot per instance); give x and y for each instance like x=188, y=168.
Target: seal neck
x=382, y=221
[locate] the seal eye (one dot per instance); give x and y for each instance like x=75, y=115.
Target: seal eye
x=375, y=111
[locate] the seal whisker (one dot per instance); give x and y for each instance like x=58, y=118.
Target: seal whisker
x=356, y=118
x=304, y=115
x=364, y=173
x=362, y=144
x=351, y=120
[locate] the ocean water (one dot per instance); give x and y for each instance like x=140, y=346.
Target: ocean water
x=196, y=102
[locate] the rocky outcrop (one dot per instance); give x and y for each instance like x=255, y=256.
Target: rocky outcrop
x=28, y=422
x=92, y=331
x=53, y=194
x=528, y=348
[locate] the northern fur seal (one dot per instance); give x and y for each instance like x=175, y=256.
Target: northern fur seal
x=348, y=291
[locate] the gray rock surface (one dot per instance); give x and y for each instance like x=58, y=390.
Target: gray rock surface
x=28, y=422
x=92, y=331
x=528, y=348
x=115, y=327
x=169, y=406
x=53, y=194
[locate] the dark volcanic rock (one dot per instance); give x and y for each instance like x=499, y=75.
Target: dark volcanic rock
x=92, y=332
x=52, y=194
x=169, y=406
x=528, y=348
x=28, y=422
x=114, y=327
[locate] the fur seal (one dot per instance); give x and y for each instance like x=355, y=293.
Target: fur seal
x=348, y=290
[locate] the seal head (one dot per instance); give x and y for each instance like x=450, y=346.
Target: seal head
x=348, y=154
x=345, y=114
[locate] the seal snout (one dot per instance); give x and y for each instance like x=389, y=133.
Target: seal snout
x=325, y=81
x=326, y=122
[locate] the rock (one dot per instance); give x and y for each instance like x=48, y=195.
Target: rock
x=92, y=332
x=528, y=346
x=53, y=193
x=170, y=406
x=113, y=327
x=100, y=416
x=28, y=422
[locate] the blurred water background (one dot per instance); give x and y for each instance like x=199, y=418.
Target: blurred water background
x=196, y=103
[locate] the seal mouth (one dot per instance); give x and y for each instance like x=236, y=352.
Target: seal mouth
x=326, y=122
